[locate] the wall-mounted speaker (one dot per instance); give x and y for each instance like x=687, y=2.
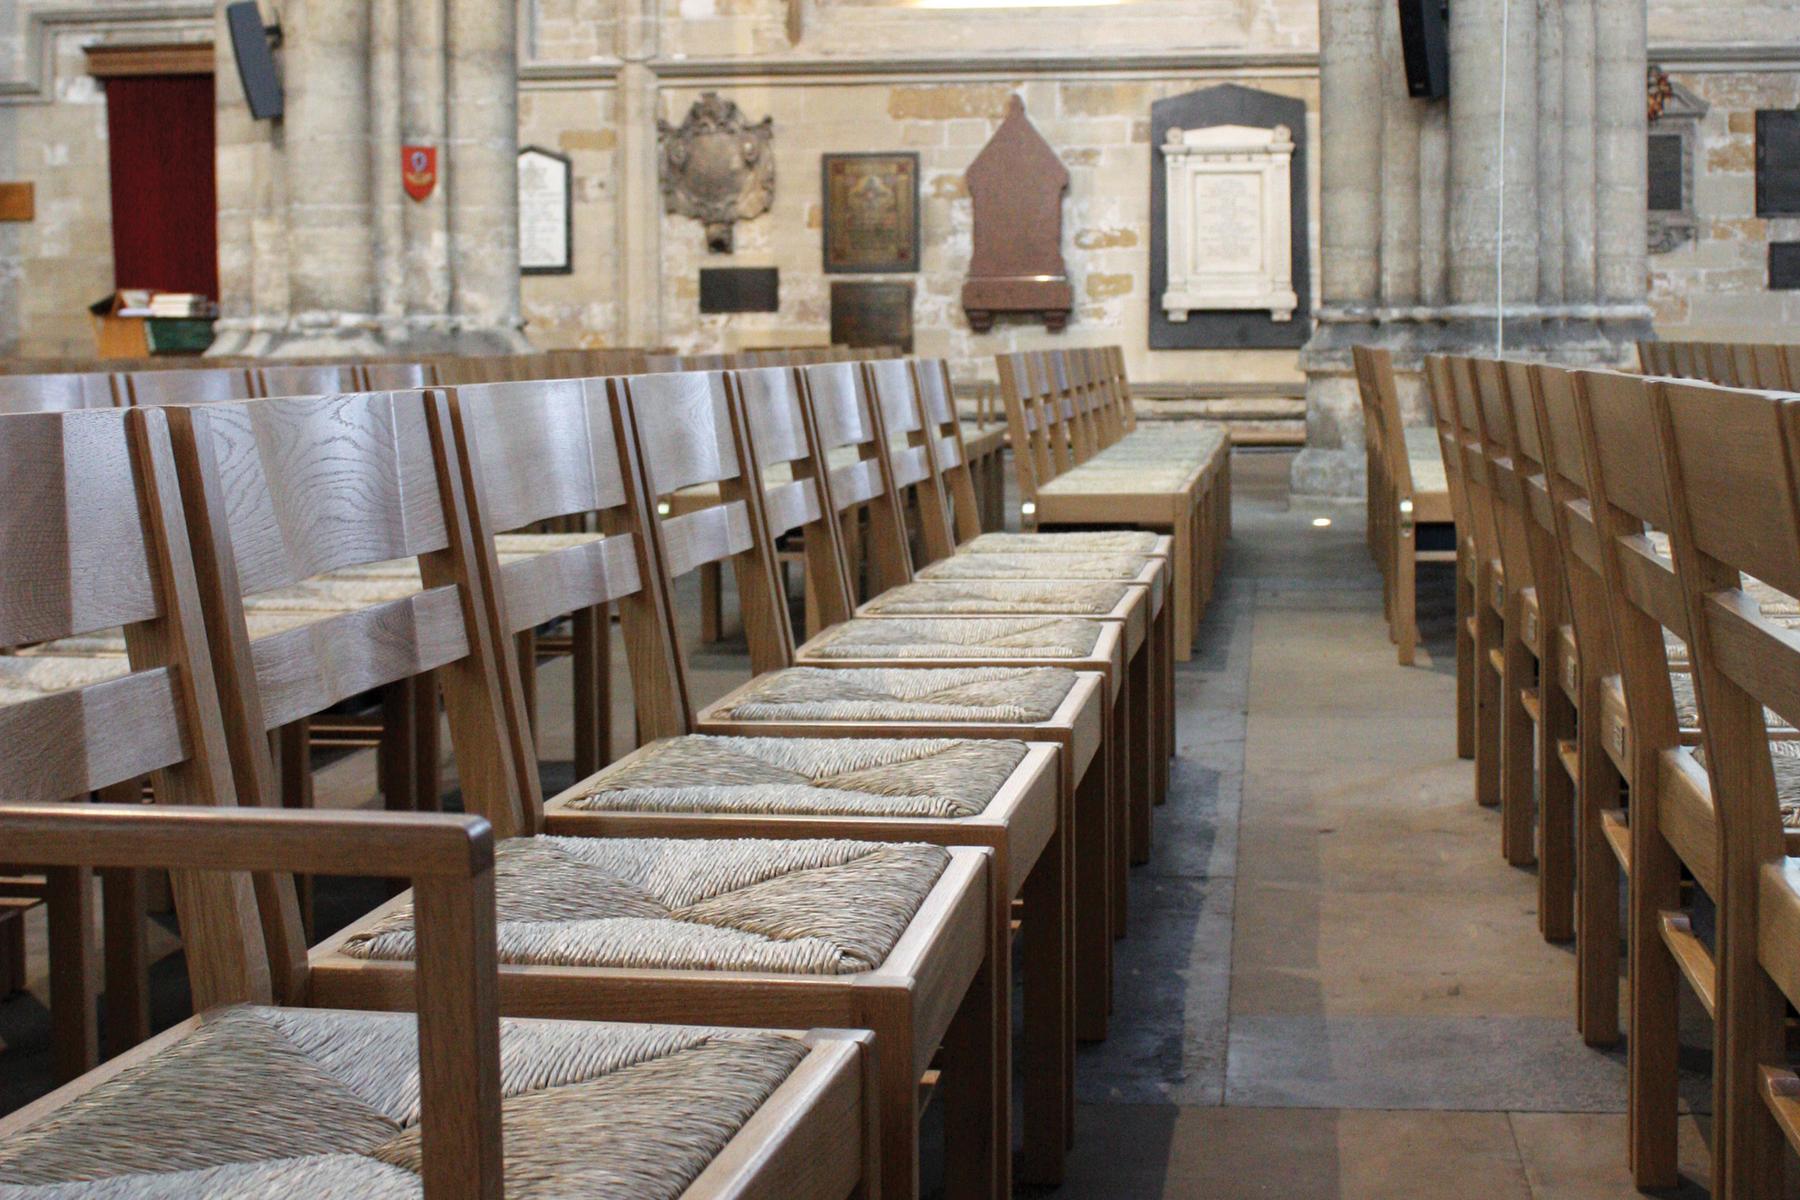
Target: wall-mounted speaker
x=1425, y=44
x=255, y=61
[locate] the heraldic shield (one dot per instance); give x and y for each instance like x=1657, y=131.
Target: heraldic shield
x=717, y=168
x=418, y=170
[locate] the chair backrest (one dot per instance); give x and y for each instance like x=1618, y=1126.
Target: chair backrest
x=1439, y=390
x=1025, y=424
x=791, y=480
x=1391, y=427
x=1464, y=411
x=1628, y=496
x=55, y=393
x=543, y=451
x=938, y=400
x=912, y=453
x=1557, y=426
x=280, y=491
x=1494, y=411
x=1731, y=458
x=394, y=376
x=195, y=385
x=302, y=379
x=682, y=425
x=844, y=413
x=97, y=543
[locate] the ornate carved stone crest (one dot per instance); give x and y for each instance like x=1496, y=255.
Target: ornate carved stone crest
x=717, y=167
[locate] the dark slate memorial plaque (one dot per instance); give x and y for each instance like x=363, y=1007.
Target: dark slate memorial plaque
x=1228, y=104
x=872, y=314
x=740, y=289
x=1784, y=266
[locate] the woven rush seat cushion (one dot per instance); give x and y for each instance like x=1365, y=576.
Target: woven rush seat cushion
x=1089, y=479
x=1009, y=695
x=1079, y=541
x=959, y=637
x=861, y=777
x=29, y=676
x=816, y=907
x=1425, y=461
x=977, y=597
x=276, y=1102
x=1037, y=566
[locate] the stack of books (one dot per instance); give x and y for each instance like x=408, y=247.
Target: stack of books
x=181, y=305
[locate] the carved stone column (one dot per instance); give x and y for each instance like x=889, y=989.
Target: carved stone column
x=320, y=252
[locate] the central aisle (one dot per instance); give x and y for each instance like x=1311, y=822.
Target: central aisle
x=1334, y=986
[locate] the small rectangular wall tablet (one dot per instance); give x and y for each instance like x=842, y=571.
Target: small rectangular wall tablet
x=740, y=289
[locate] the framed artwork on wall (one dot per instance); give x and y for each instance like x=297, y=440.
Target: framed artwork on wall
x=871, y=212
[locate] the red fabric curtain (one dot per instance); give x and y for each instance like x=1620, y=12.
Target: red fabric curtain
x=164, y=210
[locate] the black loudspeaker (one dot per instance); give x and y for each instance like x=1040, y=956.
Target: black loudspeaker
x=255, y=62
x=1425, y=43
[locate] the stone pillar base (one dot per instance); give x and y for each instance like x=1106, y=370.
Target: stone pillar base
x=398, y=341
x=1333, y=462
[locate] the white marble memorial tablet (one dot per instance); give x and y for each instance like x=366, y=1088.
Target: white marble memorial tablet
x=1229, y=223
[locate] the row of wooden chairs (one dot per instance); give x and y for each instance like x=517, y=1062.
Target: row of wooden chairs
x=1409, y=519
x=1636, y=558
x=1081, y=461
x=282, y=491
x=789, y=356
x=1732, y=364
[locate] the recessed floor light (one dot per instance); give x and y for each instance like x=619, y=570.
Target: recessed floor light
x=1321, y=522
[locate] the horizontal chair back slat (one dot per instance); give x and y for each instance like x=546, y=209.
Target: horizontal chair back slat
x=542, y=449
x=198, y=385
x=318, y=484
x=54, y=393
x=303, y=379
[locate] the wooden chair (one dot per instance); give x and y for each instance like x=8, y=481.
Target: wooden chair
x=1521, y=646
x=1489, y=597
x=386, y=376
x=1730, y=460
x=1006, y=794
x=296, y=1099
x=1673, y=817
x=1443, y=408
x=1149, y=628
x=1053, y=705
x=1408, y=489
x=392, y=486
x=1128, y=491
x=1548, y=638
x=910, y=445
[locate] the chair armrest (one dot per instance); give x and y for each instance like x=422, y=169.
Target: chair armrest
x=449, y=860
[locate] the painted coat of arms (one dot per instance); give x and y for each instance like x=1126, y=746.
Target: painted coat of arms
x=717, y=167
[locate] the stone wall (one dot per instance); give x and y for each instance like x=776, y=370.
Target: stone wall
x=1715, y=286
x=53, y=134
x=1099, y=127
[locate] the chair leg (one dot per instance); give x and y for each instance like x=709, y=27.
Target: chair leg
x=1556, y=813
x=127, y=959
x=12, y=952
x=1518, y=793
x=1047, y=1062
x=396, y=769
x=74, y=1037
x=1093, y=925
x=1122, y=810
x=977, y=1079
x=1488, y=704
x=712, y=603
x=1465, y=667
x=1406, y=601
x=592, y=691
x=1597, y=893
x=1141, y=754
x=430, y=787
x=1653, y=1094
x=1183, y=600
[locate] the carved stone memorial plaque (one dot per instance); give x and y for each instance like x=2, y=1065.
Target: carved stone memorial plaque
x=545, y=223
x=1227, y=212
x=717, y=167
x=1017, y=184
x=1228, y=221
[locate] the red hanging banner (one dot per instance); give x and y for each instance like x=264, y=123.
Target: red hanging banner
x=418, y=170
